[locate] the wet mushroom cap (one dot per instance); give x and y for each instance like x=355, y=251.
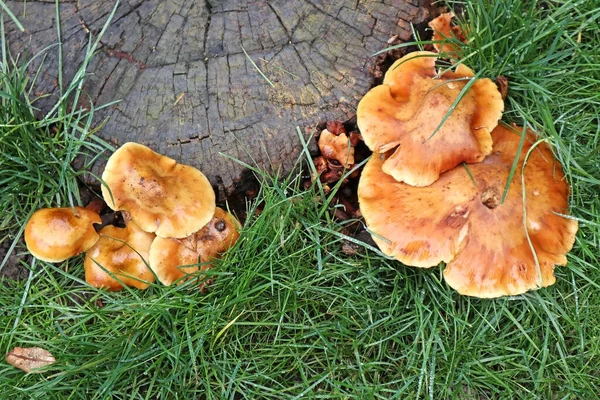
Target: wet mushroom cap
x=404, y=112
x=173, y=259
x=56, y=234
x=461, y=220
x=217, y=236
x=123, y=252
x=162, y=196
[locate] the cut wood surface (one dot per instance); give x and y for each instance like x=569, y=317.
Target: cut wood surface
x=187, y=88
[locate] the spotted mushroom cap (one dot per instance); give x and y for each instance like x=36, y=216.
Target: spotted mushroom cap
x=162, y=196
x=173, y=259
x=217, y=236
x=123, y=252
x=56, y=234
x=461, y=220
x=404, y=112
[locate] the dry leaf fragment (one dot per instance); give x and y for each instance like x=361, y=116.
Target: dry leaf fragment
x=30, y=359
x=502, y=83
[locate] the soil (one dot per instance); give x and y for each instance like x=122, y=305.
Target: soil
x=14, y=267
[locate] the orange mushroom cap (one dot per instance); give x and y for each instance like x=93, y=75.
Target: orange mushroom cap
x=406, y=109
x=56, y=234
x=162, y=196
x=173, y=259
x=336, y=147
x=442, y=30
x=460, y=219
x=123, y=252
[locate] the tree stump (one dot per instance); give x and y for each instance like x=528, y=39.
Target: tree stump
x=183, y=70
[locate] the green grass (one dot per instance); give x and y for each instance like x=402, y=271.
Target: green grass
x=37, y=154
x=290, y=316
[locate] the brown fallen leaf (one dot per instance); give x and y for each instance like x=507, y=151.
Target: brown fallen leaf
x=502, y=83
x=29, y=359
x=336, y=127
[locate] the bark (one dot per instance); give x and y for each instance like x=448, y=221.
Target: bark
x=186, y=87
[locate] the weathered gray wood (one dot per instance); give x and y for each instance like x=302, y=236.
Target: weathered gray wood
x=188, y=90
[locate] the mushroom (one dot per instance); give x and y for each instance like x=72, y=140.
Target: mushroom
x=56, y=234
x=124, y=253
x=443, y=30
x=404, y=113
x=162, y=196
x=174, y=259
x=337, y=147
x=461, y=220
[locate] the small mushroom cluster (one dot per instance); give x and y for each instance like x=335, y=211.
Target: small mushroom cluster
x=173, y=227
x=337, y=154
x=444, y=33
x=439, y=185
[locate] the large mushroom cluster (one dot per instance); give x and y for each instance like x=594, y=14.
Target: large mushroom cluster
x=448, y=182
x=173, y=227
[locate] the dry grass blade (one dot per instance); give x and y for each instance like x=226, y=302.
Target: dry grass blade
x=256, y=67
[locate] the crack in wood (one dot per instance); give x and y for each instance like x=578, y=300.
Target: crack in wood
x=123, y=55
x=191, y=139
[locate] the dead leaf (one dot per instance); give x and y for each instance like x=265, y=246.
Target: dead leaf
x=502, y=83
x=336, y=127
x=29, y=359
